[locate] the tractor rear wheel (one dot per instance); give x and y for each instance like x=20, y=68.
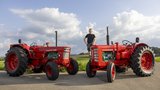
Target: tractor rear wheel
x=51, y=70
x=142, y=61
x=89, y=70
x=111, y=72
x=16, y=61
x=73, y=67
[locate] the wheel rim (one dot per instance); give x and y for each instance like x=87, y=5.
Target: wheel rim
x=12, y=62
x=49, y=71
x=147, y=61
x=113, y=72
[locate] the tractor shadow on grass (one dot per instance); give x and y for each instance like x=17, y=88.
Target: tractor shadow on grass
x=64, y=79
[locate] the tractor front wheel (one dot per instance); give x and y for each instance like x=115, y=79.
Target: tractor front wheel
x=73, y=67
x=51, y=70
x=111, y=72
x=16, y=61
x=89, y=70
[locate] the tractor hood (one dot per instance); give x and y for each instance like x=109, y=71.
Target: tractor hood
x=109, y=47
x=49, y=49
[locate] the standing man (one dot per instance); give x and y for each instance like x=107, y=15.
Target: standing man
x=89, y=40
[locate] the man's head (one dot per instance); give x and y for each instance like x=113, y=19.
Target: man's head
x=90, y=30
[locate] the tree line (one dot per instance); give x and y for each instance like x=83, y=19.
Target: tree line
x=156, y=51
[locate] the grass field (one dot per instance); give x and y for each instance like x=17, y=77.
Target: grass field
x=157, y=59
x=1, y=65
x=82, y=61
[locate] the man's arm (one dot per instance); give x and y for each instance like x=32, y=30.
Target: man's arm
x=85, y=40
x=94, y=41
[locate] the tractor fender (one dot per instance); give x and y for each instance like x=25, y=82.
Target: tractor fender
x=23, y=46
x=138, y=45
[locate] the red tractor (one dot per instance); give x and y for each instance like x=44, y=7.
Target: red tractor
x=39, y=58
x=117, y=58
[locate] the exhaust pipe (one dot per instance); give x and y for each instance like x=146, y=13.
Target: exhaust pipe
x=20, y=41
x=56, y=37
x=107, y=36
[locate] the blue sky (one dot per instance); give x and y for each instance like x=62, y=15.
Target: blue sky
x=88, y=13
x=97, y=11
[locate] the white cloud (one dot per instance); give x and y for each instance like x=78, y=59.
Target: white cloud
x=43, y=22
x=46, y=20
x=91, y=25
x=128, y=25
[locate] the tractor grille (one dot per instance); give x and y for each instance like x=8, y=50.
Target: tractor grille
x=108, y=55
x=53, y=55
x=95, y=54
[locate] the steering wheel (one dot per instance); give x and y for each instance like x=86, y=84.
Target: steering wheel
x=126, y=42
x=33, y=44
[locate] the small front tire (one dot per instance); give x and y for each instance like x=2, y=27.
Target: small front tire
x=111, y=72
x=52, y=71
x=73, y=67
x=89, y=70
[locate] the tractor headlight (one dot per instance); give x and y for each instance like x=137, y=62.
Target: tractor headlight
x=66, y=53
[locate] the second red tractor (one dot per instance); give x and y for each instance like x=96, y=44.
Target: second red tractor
x=117, y=58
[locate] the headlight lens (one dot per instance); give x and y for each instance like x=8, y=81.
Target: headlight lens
x=66, y=53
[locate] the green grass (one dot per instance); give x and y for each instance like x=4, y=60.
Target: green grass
x=82, y=61
x=1, y=65
x=157, y=59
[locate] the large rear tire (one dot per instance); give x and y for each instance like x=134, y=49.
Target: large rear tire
x=16, y=61
x=111, y=72
x=142, y=61
x=73, y=67
x=89, y=70
x=51, y=70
